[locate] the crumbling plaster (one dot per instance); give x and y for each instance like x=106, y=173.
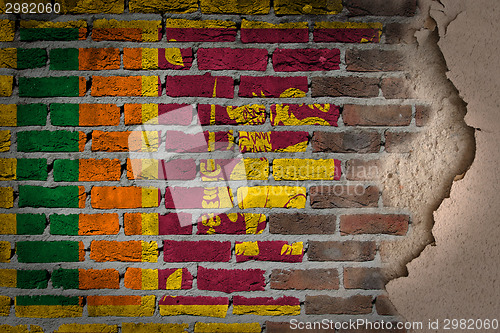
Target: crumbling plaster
x=457, y=276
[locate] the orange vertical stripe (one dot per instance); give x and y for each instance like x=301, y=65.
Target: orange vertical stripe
x=132, y=223
x=99, y=115
x=81, y=251
x=82, y=196
x=110, y=141
x=98, y=59
x=98, y=279
x=134, y=168
x=99, y=170
x=104, y=251
x=116, y=197
x=82, y=140
x=98, y=224
x=82, y=86
x=133, y=278
x=132, y=58
x=133, y=114
x=116, y=86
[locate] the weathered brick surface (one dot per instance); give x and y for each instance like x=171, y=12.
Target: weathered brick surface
x=237, y=59
x=381, y=8
x=374, y=60
x=374, y=224
x=297, y=60
x=377, y=115
x=261, y=211
x=297, y=224
x=263, y=32
x=344, y=196
x=199, y=251
x=347, y=32
x=341, y=251
x=363, y=278
x=396, y=88
x=345, y=86
x=346, y=142
x=322, y=304
x=384, y=306
x=400, y=33
x=200, y=86
x=321, y=279
x=358, y=169
x=230, y=281
x=273, y=86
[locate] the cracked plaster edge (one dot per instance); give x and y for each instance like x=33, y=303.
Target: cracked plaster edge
x=467, y=189
x=436, y=19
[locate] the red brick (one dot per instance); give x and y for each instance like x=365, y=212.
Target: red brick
x=400, y=142
x=346, y=142
x=396, y=88
x=384, y=306
x=234, y=59
x=230, y=280
x=196, y=251
x=363, y=169
x=375, y=60
x=294, y=60
x=273, y=86
x=363, y=278
x=381, y=7
x=322, y=304
x=317, y=279
x=200, y=86
x=297, y=224
x=422, y=115
x=391, y=224
x=343, y=196
x=377, y=115
x=345, y=86
x=341, y=251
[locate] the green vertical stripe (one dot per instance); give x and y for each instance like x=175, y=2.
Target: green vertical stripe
x=30, y=224
x=31, y=58
x=31, y=169
x=64, y=224
x=64, y=59
x=65, y=114
x=33, y=34
x=40, y=251
x=58, y=197
x=47, y=300
x=65, y=278
x=32, y=279
x=66, y=170
x=64, y=86
x=56, y=141
x=31, y=115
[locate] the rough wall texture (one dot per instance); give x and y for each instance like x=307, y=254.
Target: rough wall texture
x=463, y=263
x=300, y=197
